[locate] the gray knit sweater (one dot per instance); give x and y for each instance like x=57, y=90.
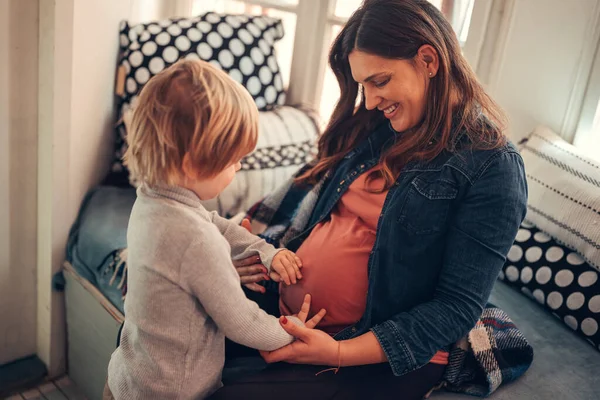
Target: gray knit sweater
x=183, y=297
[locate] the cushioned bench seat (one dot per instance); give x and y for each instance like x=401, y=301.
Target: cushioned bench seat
x=564, y=365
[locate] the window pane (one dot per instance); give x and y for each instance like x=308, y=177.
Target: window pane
x=345, y=8
x=458, y=12
x=231, y=6
x=283, y=48
x=331, y=89
x=219, y=6
x=592, y=148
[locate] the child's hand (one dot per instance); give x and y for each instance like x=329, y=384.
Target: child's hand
x=286, y=266
x=305, y=309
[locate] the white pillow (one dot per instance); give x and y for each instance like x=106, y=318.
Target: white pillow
x=564, y=192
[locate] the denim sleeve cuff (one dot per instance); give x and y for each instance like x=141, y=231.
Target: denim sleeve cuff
x=395, y=348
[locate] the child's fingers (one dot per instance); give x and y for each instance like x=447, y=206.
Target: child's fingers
x=298, y=260
x=289, y=267
x=275, y=277
x=305, y=309
x=280, y=269
x=314, y=321
x=292, y=259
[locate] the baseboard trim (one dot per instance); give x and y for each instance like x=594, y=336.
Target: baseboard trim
x=21, y=374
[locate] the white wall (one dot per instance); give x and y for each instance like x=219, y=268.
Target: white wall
x=95, y=50
x=5, y=271
x=18, y=186
x=540, y=69
x=78, y=51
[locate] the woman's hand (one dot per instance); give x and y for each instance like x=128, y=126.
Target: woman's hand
x=315, y=347
x=312, y=346
x=251, y=271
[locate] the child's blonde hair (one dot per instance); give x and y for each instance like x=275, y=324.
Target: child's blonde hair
x=189, y=108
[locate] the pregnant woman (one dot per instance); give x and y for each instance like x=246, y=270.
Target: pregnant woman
x=420, y=196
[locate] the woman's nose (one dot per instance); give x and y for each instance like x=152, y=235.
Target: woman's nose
x=371, y=100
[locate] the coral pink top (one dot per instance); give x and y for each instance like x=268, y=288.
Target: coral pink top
x=335, y=257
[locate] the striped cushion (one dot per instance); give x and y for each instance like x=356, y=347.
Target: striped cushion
x=286, y=142
x=564, y=193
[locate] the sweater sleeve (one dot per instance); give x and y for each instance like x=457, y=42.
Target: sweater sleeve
x=208, y=274
x=243, y=243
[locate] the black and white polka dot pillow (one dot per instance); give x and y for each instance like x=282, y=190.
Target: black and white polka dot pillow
x=556, y=277
x=241, y=45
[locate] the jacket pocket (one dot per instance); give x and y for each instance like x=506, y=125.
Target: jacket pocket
x=426, y=206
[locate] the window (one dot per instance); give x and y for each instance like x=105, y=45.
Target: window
x=587, y=135
x=596, y=128
x=303, y=57
x=588, y=140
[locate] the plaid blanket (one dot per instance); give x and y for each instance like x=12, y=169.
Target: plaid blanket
x=494, y=351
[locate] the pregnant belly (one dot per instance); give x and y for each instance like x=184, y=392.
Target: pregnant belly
x=334, y=274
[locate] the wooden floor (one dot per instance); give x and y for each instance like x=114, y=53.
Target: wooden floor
x=60, y=389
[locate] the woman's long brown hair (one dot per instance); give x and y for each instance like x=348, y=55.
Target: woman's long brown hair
x=455, y=101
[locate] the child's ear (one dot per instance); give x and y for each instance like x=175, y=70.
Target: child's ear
x=188, y=168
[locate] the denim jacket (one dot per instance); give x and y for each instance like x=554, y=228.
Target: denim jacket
x=443, y=235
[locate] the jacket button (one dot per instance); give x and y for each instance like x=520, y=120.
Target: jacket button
x=339, y=190
x=353, y=329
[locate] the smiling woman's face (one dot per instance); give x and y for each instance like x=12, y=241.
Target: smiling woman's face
x=397, y=88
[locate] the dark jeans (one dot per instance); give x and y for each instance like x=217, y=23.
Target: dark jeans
x=299, y=382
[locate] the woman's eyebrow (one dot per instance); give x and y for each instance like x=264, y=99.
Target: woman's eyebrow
x=373, y=76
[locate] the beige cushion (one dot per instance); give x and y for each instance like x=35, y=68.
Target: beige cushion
x=564, y=192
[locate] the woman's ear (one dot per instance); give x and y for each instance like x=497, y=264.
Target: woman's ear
x=427, y=58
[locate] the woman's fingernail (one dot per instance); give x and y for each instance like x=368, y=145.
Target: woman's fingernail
x=284, y=320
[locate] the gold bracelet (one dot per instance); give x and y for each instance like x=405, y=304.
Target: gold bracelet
x=335, y=370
